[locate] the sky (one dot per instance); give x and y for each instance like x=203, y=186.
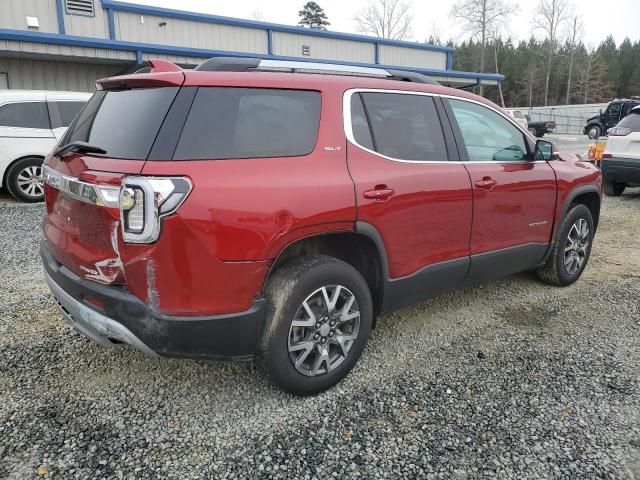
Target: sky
x=616, y=17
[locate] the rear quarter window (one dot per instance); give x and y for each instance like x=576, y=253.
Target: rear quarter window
x=233, y=123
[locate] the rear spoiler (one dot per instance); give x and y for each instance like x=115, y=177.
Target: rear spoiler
x=160, y=73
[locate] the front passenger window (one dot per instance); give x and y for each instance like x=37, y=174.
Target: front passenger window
x=487, y=135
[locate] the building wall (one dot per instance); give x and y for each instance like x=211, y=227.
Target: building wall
x=51, y=51
x=55, y=75
x=187, y=33
x=412, y=57
x=87, y=26
x=290, y=44
x=13, y=13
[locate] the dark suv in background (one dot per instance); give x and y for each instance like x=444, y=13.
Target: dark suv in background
x=599, y=125
x=276, y=210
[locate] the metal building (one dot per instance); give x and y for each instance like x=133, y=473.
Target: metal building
x=68, y=44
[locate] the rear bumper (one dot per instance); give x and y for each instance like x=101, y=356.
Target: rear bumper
x=621, y=170
x=123, y=318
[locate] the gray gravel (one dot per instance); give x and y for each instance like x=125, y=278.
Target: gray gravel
x=510, y=379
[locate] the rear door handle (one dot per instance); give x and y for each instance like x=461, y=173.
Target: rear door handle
x=379, y=193
x=487, y=183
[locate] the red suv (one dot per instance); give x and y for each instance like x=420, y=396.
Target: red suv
x=252, y=208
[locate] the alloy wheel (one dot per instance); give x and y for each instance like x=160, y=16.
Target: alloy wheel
x=323, y=330
x=575, y=250
x=30, y=181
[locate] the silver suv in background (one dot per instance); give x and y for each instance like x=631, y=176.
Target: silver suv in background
x=31, y=123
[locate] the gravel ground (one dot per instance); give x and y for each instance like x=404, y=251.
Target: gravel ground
x=509, y=379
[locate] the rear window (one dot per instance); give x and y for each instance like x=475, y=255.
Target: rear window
x=123, y=122
x=631, y=121
x=231, y=123
x=25, y=115
x=404, y=127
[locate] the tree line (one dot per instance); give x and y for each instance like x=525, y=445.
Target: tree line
x=558, y=69
x=593, y=76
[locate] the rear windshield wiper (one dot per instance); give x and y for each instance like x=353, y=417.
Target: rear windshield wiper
x=77, y=147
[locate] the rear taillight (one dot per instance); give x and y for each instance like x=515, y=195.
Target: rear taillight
x=143, y=203
x=618, y=131
x=100, y=195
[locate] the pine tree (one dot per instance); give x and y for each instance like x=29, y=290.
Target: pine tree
x=312, y=15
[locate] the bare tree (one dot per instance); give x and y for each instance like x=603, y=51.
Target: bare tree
x=550, y=15
x=482, y=17
x=386, y=19
x=576, y=31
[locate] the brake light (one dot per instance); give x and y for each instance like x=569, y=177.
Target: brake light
x=144, y=201
x=619, y=131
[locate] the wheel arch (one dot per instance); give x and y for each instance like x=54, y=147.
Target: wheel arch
x=357, y=248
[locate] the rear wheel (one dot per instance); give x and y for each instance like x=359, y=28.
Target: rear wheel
x=594, y=132
x=572, y=249
x=24, y=180
x=319, y=320
x=613, y=189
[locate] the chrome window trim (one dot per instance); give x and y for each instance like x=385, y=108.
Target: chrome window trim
x=348, y=129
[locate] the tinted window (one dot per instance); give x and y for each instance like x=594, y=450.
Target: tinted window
x=68, y=111
x=250, y=123
x=123, y=122
x=488, y=135
x=405, y=127
x=614, y=109
x=631, y=121
x=25, y=115
x=359, y=123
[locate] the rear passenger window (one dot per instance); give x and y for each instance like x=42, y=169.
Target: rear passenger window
x=405, y=127
x=25, y=115
x=68, y=111
x=226, y=123
x=359, y=123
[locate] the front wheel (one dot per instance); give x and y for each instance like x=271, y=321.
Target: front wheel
x=594, y=132
x=571, y=250
x=319, y=320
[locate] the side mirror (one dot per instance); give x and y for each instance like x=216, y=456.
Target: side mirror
x=545, y=151
x=600, y=112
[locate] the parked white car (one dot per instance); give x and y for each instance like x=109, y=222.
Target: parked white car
x=620, y=163
x=31, y=123
x=519, y=118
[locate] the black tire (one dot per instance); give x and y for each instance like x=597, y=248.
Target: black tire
x=554, y=271
x=613, y=189
x=14, y=172
x=593, y=132
x=286, y=290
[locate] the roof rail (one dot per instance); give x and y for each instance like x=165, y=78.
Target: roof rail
x=233, y=64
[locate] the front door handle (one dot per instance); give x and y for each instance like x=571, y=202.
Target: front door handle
x=487, y=183
x=381, y=192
